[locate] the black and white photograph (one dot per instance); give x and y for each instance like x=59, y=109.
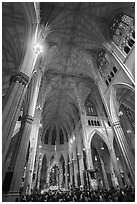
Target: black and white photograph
x=68, y=101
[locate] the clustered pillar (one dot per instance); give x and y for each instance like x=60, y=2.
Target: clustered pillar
x=126, y=151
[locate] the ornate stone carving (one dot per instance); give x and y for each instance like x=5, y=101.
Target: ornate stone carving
x=19, y=76
x=117, y=124
x=27, y=119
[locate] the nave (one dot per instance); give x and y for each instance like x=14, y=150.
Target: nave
x=68, y=101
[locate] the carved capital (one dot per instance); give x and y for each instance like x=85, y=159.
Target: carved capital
x=27, y=119
x=117, y=124
x=19, y=76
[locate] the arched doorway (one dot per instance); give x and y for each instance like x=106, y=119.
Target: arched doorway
x=122, y=107
x=125, y=175
x=103, y=176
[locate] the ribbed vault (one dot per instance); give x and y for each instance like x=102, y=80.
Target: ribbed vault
x=78, y=32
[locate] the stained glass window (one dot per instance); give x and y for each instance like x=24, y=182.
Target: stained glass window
x=131, y=115
x=90, y=107
x=122, y=32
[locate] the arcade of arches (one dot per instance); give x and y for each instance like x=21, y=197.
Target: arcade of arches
x=68, y=88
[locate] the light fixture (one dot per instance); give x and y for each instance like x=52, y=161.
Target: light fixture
x=102, y=147
x=117, y=158
x=37, y=48
x=120, y=113
x=128, y=131
x=71, y=141
x=96, y=158
x=73, y=138
x=40, y=125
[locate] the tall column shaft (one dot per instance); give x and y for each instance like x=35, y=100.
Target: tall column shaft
x=21, y=156
x=34, y=136
x=116, y=168
x=75, y=171
x=89, y=159
x=81, y=166
x=80, y=159
x=104, y=174
x=34, y=179
x=14, y=98
x=75, y=164
x=11, y=112
x=66, y=176
x=122, y=143
x=71, y=173
x=39, y=172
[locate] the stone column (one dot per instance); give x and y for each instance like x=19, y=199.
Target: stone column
x=89, y=159
x=71, y=173
x=14, y=98
x=127, y=126
x=39, y=171
x=34, y=136
x=75, y=164
x=24, y=140
x=81, y=166
x=80, y=159
x=66, y=176
x=121, y=163
x=26, y=185
x=109, y=177
x=116, y=168
x=34, y=173
x=124, y=147
x=11, y=109
x=19, y=157
x=104, y=174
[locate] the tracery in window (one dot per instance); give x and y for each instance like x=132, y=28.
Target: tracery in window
x=122, y=31
x=90, y=107
x=106, y=68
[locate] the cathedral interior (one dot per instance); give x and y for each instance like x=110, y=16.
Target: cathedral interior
x=68, y=96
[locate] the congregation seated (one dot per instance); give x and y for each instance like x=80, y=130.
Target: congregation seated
x=126, y=194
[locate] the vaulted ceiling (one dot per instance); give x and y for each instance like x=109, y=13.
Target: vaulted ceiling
x=78, y=32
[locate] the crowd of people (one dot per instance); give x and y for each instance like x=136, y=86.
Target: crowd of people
x=126, y=194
